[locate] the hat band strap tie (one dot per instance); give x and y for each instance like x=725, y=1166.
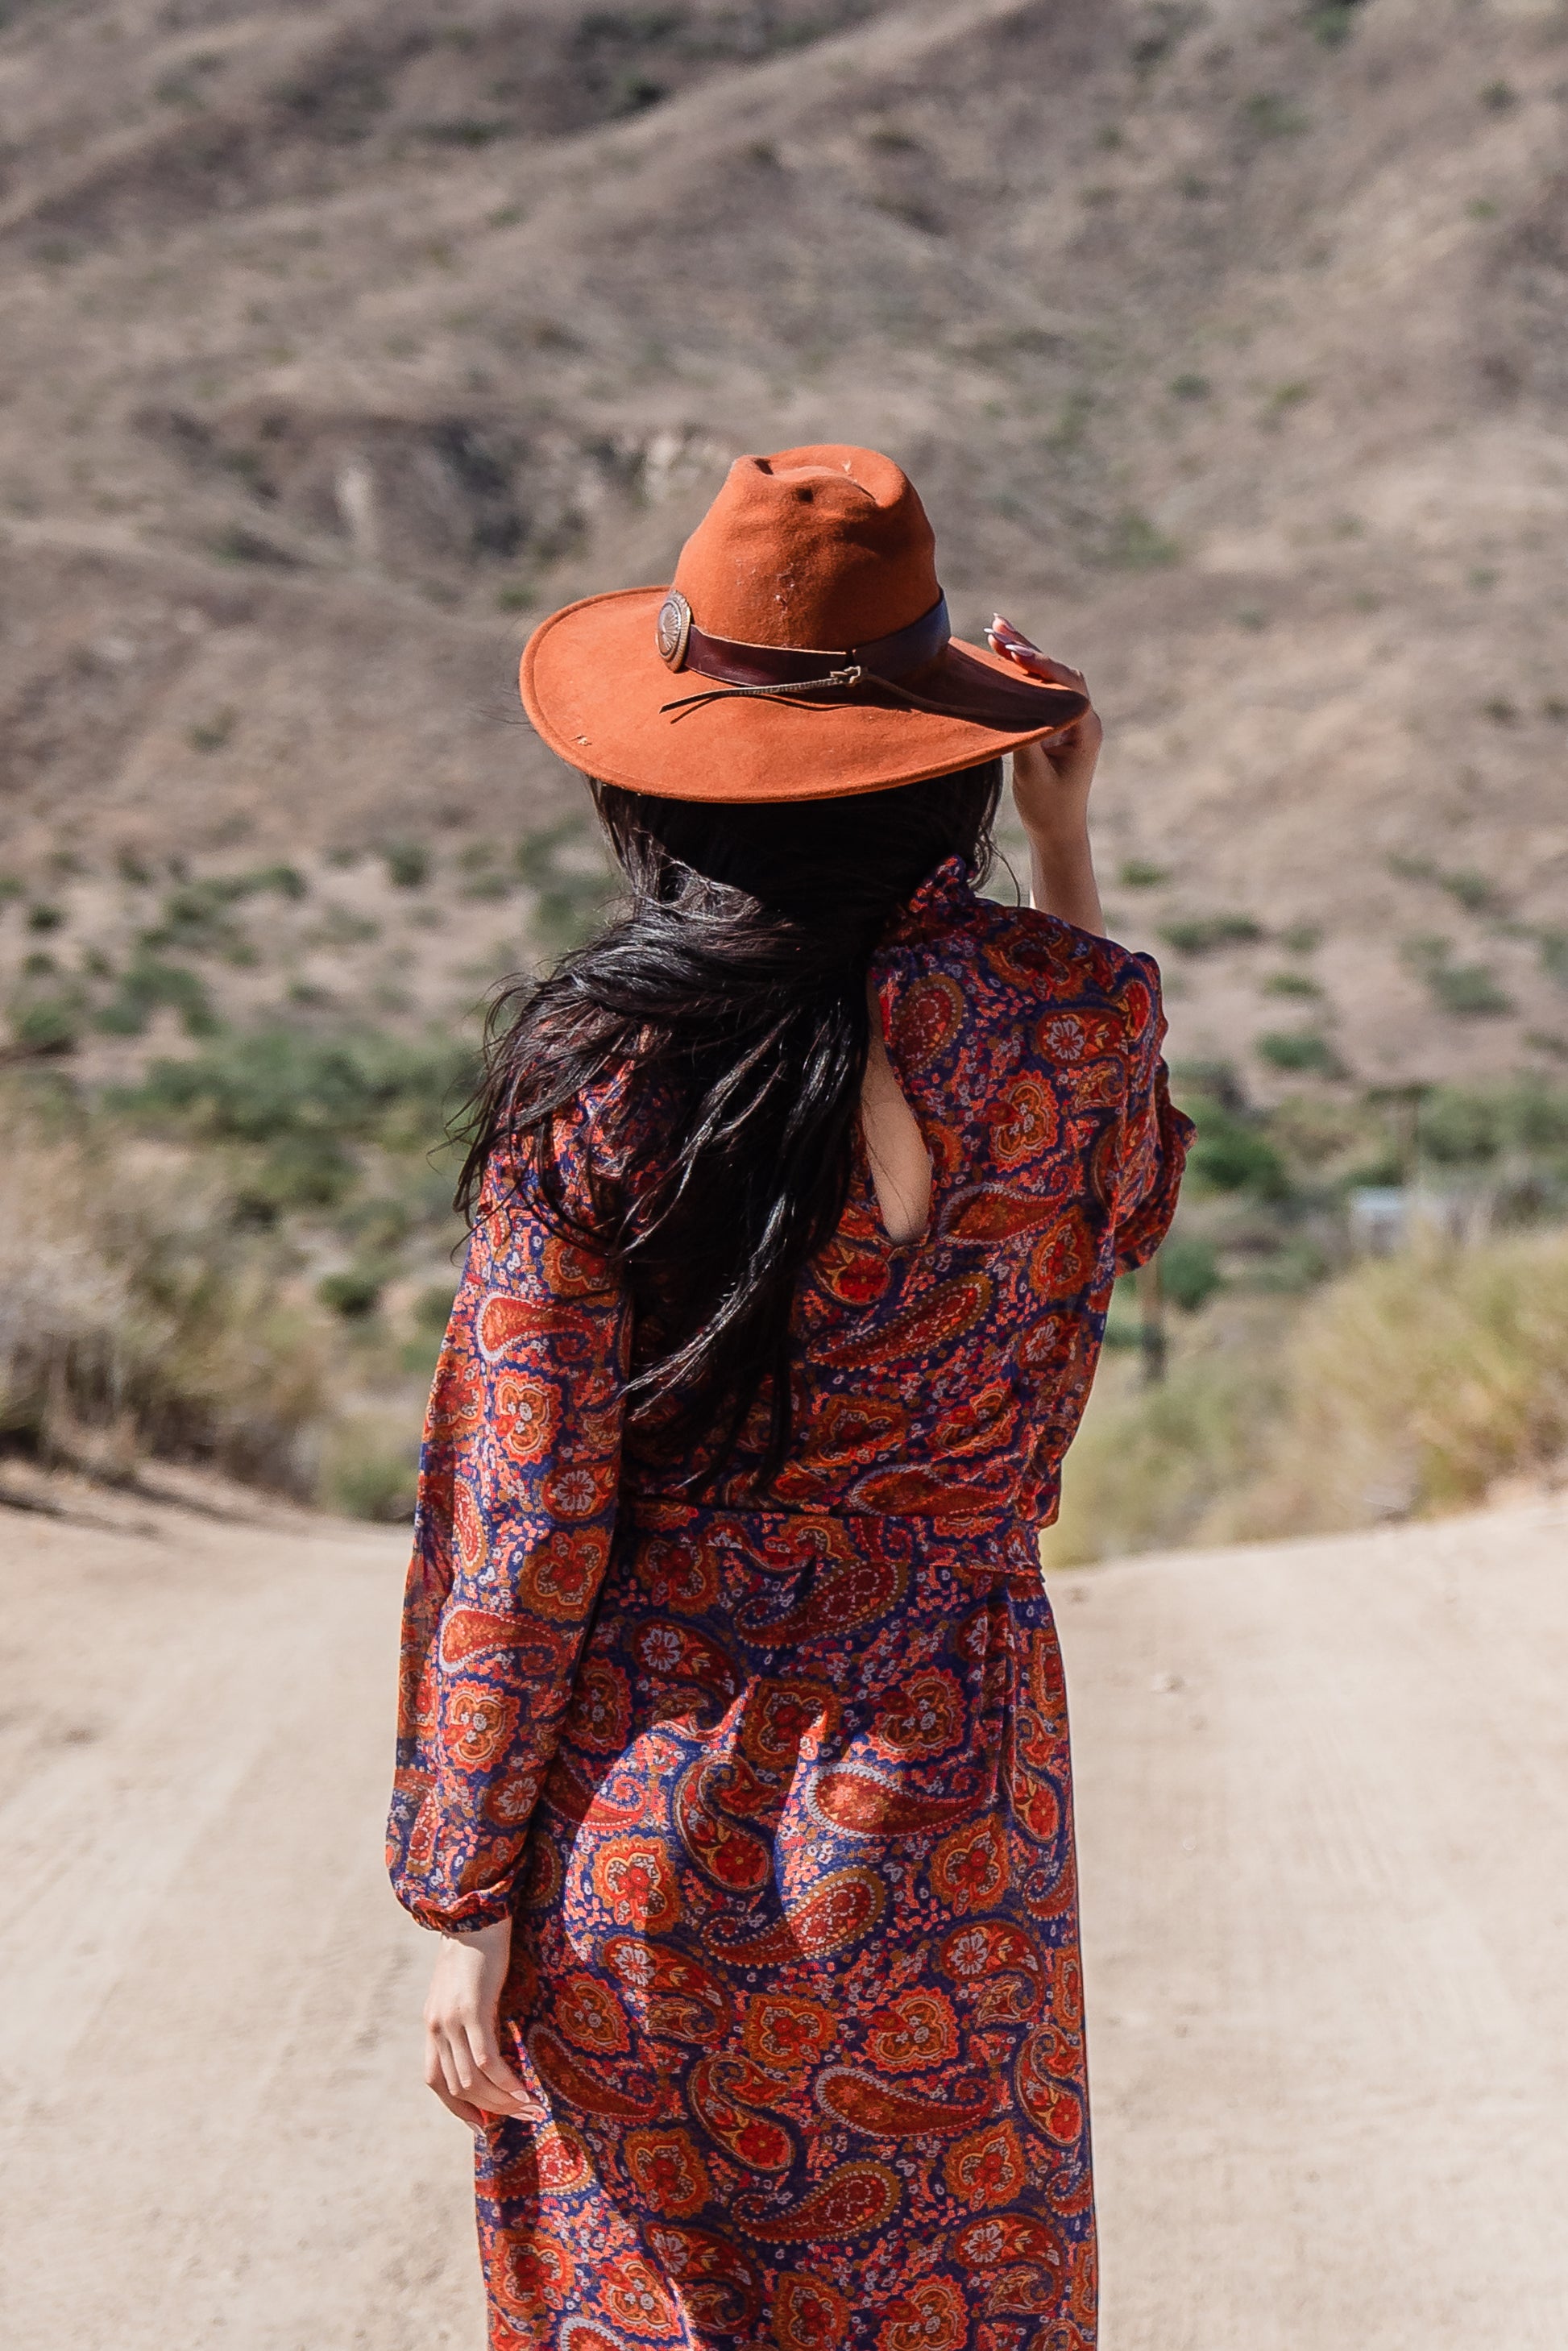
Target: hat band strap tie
x=838, y=677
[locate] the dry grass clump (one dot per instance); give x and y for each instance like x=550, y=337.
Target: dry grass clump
x=1416, y=1384
x=135, y=1317
x=1409, y=1386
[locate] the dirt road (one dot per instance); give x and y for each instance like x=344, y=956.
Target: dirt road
x=1324, y=1818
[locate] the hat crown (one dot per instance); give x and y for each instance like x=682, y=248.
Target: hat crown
x=823, y=547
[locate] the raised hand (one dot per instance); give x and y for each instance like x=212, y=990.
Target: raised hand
x=1051, y=779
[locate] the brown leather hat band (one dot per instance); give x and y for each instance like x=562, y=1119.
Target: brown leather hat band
x=685, y=646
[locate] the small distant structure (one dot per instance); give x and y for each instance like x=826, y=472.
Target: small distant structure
x=1387, y=1217
x=1379, y=1218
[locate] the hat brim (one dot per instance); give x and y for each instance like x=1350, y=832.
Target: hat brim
x=597, y=691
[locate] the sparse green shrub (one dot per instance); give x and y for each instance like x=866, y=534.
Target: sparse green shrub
x=1173, y=20
x=431, y=1313
x=1291, y=983
x=1472, y=890
x=42, y=916
x=1137, y=873
x=1071, y=426
x=196, y=919
x=433, y=1307
x=407, y=863
x=468, y=131
x=1271, y=115
x=1190, y=387
x=212, y=734
x=1189, y=1271
x=298, y=1172
x=1203, y=933
x=1300, y=1050
x=287, y=880
x=1135, y=545
x=1469, y=990
x=145, y=985
x=355, y=1293
x=1474, y=1126
x=261, y=1085
x=1466, y=989
x=1301, y=938
x=1284, y=397
x=1233, y=1155
x=1334, y=24
x=1499, y=97
x=634, y=92
x=237, y=545
x=340, y=928
x=371, y=1469
x=51, y=1023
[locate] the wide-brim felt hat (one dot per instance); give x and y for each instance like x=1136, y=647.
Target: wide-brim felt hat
x=801, y=651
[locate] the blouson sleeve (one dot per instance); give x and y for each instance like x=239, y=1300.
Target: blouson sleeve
x=512, y=1533
x=1154, y=1134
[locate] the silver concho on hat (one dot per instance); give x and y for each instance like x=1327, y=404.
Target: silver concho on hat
x=673, y=627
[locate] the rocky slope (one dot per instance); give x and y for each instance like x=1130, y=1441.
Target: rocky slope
x=1230, y=342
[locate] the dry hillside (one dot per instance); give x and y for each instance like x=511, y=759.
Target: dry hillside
x=1230, y=342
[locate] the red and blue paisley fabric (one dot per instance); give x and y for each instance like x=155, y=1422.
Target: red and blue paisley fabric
x=779, y=1798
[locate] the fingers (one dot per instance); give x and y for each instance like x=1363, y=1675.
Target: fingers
x=436, y=2080
x=452, y=2064
x=471, y=2086
x=492, y=2074
x=1011, y=642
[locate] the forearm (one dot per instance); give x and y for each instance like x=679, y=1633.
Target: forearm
x=1062, y=878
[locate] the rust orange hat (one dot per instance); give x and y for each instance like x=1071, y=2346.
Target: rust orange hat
x=802, y=651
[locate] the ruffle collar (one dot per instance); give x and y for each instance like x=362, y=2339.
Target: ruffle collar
x=943, y=899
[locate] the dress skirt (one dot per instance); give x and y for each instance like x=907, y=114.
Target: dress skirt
x=796, y=1971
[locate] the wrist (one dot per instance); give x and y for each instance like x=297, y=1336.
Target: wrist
x=1059, y=836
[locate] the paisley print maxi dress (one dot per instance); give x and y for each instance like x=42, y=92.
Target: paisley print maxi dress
x=779, y=1798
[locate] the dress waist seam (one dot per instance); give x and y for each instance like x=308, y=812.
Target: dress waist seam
x=671, y=1510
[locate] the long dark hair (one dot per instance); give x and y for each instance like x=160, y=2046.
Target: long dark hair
x=733, y=982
